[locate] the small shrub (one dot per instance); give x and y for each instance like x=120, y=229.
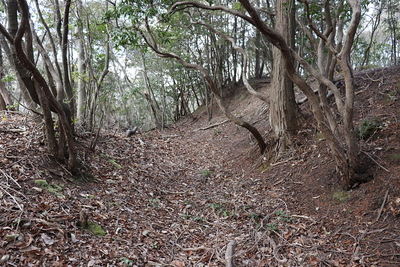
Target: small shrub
x=116, y=165
x=217, y=131
x=155, y=202
x=283, y=216
x=221, y=210
x=341, y=195
x=273, y=227
x=126, y=261
x=367, y=128
x=206, y=173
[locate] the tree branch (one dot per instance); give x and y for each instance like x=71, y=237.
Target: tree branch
x=189, y=4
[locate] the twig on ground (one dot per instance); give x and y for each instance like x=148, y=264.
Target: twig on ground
x=213, y=125
x=383, y=204
x=375, y=161
x=304, y=217
x=281, y=162
x=16, y=202
x=169, y=136
x=355, y=255
x=9, y=177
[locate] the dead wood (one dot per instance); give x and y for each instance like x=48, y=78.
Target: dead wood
x=213, y=125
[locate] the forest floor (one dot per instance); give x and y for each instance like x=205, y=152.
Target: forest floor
x=178, y=197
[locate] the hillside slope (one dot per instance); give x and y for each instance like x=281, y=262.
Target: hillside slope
x=178, y=197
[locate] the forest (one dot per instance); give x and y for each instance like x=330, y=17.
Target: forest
x=199, y=133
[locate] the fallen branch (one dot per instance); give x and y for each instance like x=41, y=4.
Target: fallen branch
x=213, y=125
x=15, y=200
x=383, y=204
x=375, y=161
x=355, y=255
x=169, y=136
x=195, y=249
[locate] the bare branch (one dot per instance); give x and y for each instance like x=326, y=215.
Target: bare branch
x=189, y=4
x=322, y=36
x=352, y=29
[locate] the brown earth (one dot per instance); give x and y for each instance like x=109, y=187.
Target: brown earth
x=178, y=197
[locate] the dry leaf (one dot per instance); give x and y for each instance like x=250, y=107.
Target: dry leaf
x=48, y=240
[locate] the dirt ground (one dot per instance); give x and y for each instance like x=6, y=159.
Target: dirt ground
x=178, y=197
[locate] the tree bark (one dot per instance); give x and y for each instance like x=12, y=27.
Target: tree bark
x=64, y=53
x=284, y=111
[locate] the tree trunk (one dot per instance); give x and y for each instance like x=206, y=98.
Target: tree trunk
x=81, y=102
x=5, y=98
x=10, y=56
x=149, y=94
x=98, y=83
x=284, y=111
x=64, y=52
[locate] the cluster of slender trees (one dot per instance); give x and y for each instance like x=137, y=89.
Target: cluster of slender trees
x=88, y=64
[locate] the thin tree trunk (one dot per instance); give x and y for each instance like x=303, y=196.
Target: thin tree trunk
x=150, y=95
x=29, y=103
x=81, y=102
x=25, y=77
x=64, y=53
x=6, y=101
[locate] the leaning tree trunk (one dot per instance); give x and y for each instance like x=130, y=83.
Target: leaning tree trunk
x=24, y=76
